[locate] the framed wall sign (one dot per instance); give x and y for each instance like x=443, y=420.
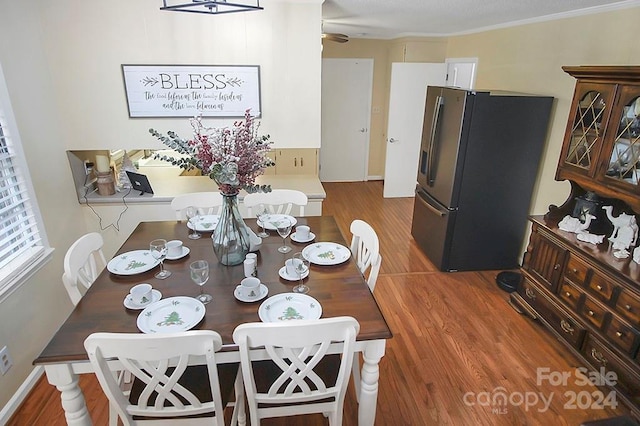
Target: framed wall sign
x=191, y=90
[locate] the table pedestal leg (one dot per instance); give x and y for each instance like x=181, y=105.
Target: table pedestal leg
x=369, y=382
x=66, y=381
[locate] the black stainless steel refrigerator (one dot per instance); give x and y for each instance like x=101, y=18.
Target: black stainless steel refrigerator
x=478, y=163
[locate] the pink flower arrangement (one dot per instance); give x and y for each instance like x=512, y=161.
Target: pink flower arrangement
x=233, y=157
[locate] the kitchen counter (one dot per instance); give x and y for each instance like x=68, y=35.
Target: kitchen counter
x=167, y=182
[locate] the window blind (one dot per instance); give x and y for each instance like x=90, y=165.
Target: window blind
x=18, y=227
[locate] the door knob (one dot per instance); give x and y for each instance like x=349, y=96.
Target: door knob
x=363, y=130
x=392, y=140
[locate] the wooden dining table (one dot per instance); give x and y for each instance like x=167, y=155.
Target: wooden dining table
x=340, y=289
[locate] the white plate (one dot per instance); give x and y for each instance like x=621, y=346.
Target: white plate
x=205, y=223
x=295, y=238
x=283, y=274
x=129, y=303
x=263, y=290
x=289, y=306
x=185, y=251
x=171, y=315
x=132, y=262
x=326, y=253
x=271, y=222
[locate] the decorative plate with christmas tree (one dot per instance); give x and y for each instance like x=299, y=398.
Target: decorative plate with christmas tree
x=289, y=306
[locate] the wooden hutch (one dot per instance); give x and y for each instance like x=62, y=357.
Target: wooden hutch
x=586, y=296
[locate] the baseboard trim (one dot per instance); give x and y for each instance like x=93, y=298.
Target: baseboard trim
x=20, y=395
x=375, y=177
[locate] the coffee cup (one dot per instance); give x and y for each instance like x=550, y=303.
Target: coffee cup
x=290, y=267
x=249, y=286
x=174, y=248
x=141, y=293
x=302, y=232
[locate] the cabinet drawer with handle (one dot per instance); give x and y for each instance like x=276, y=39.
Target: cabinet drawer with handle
x=600, y=357
x=556, y=317
x=601, y=287
x=571, y=295
x=622, y=335
x=576, y=271
x=628, y=305
x=593, y=312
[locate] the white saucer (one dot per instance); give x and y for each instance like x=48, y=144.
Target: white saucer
x=185, y=251
x=263, y=290
x=311, y=237
x=155, y=296
x=283, y=274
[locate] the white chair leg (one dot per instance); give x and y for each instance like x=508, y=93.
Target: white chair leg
x=239, y=416
x=355, y=373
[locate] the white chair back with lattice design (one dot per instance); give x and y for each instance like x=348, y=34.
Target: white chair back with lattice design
x=278, y=201
x=297, y=348
x=158, y=362
x=208, y=203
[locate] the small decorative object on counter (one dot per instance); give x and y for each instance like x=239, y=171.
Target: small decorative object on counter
x=590, y=238
x=106, y=185
x=573, y=224
x=625, y=230
x=127, y=166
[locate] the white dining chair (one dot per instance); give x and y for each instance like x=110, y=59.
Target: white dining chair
x=278, y=201
x=82, y=264
x=207, y=203
x=365, y=248
x=299, y=376
x=176, y=377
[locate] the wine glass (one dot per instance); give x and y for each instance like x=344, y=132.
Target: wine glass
x=301, y=265
x=158, y=250
x=284, y=229
x=200, y=275
x=262, y=214
x=192, y=212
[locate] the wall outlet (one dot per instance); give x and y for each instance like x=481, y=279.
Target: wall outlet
x=5, y=360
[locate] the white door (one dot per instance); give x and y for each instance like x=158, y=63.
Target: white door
x=346, y=116
x=461, y=72
x=409, y=83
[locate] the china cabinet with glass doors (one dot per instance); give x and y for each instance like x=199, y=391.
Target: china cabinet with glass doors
x=601, y=149
x=582, y=293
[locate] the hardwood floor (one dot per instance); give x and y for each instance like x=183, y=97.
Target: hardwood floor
x=456, y=342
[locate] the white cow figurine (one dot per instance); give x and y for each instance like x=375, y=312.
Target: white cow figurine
x=573, y=224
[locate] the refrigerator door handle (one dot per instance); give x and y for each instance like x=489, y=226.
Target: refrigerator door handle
x=431, y=147
x=421, y=198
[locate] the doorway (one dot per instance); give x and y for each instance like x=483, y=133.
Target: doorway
x=345, y=119
x=407, y=97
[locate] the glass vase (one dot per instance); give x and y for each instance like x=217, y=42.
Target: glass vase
x=231, y=238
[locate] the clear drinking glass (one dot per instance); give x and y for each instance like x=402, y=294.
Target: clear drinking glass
x=193, y=213
x=158, y=250
x=200, y=275
x=301, y=266
x=262, y=214
x=284, y=229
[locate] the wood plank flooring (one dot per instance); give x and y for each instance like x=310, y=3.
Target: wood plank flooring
x=457, y=343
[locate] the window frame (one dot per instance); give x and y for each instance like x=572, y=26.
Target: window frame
x=20, y=269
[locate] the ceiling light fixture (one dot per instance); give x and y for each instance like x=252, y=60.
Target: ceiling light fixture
x=212, y=7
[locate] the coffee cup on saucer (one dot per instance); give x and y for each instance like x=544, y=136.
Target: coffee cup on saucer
x=141, y=293
x=302, y=232
x=290, y=266
x=250, y=287
x=174, y=248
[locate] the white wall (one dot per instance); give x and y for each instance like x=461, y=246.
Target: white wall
x=62, y=60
